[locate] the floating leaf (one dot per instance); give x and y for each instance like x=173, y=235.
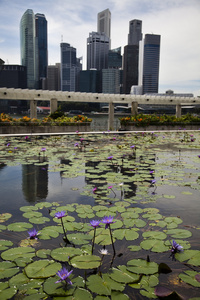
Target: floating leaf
x=154, y=235
x=43, y=253
x=7, y=269
x=56, y=289
x=154, y=245
x=103, y=285
x=85, y=261
x=39, y=220
x=19, y=226
x=63, y=254
x=4, y=217
x=4, y=244
x=19, y=252
x=190, y=278
x=179, y=233
x=123, y=275
x=140, y=266
x=42, y=269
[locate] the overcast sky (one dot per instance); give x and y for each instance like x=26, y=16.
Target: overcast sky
x=177, y=21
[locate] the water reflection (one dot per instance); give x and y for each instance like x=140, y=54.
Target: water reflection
x=35, y=182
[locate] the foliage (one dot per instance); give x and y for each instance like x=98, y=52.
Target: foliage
x=51, y=120
x=153, y=119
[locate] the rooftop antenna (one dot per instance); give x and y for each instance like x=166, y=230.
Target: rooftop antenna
x=61, y=38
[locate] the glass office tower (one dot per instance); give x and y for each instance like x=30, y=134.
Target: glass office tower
x=151, y=63
x=33, y=44
x=27, y=45
x=68, y=67
x=41, y=48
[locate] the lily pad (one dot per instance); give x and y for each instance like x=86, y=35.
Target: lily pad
x=190, y=278
x=63, y=254
x=85, y=261
x=19, y=226
x=5, y=244
x=18, y=252
x=4, y=217
x=140, y=266
x=42, y=268
x=8, y=269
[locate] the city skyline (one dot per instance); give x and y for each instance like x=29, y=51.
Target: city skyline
x=177, y=23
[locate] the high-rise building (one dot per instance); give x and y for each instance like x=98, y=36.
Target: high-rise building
x=104, y=22
x=151, y=63
x=131, y=56
x=115, y=58
x=111, y=81
x=97, y=51
x=41, y=47
x=27, y=44
x=53, y=77
x=33, y=44
x=135, y=32
x=68, y=67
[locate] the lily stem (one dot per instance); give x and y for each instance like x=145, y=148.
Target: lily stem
x=93, y=239
x=112, y=240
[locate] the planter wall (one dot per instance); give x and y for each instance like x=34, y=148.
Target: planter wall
x=43, y=129
x=158, y=128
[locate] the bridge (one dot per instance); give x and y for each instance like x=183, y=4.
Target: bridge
x=132, y=100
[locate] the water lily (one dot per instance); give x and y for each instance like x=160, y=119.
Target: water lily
x=33, y=233
x=108, y=221
x=76, y=145
x=110, y=157
x=94, y=190
x=94, y=224
x=176, y=248
x=60, y=214
x=64, y=275
x=104, y=252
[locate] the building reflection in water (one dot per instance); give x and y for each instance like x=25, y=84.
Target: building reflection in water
x=35, y=182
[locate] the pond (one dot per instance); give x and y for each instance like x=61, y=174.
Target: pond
x=106, y=207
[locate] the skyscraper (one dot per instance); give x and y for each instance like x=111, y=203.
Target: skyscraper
x=151, y=63
x=68, y=67
x=131, y=56
x=27, y=44
x=41, y=48
x=104, y=22
x=33, y=44
x=97, y=51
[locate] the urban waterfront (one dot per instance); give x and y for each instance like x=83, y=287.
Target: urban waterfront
x=147, y=182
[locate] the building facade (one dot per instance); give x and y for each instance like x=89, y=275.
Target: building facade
x=27, y=46
x=68, y=67
x=104, y=24
x=151, y=63
x=131, y=56
x=33, y=47
x=111, y=81
x=97, y=51
x=41, y=60
x=53, y=78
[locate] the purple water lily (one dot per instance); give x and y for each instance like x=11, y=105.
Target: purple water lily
x=95, y=223
x=64, y=275
x=107, y=221
x=33, y=233
x=43, y=149
x=110, y=157
x=176, y=248
x=60, y=214
x=94, y=190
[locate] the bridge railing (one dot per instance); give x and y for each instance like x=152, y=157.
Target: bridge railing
x=133, y=100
